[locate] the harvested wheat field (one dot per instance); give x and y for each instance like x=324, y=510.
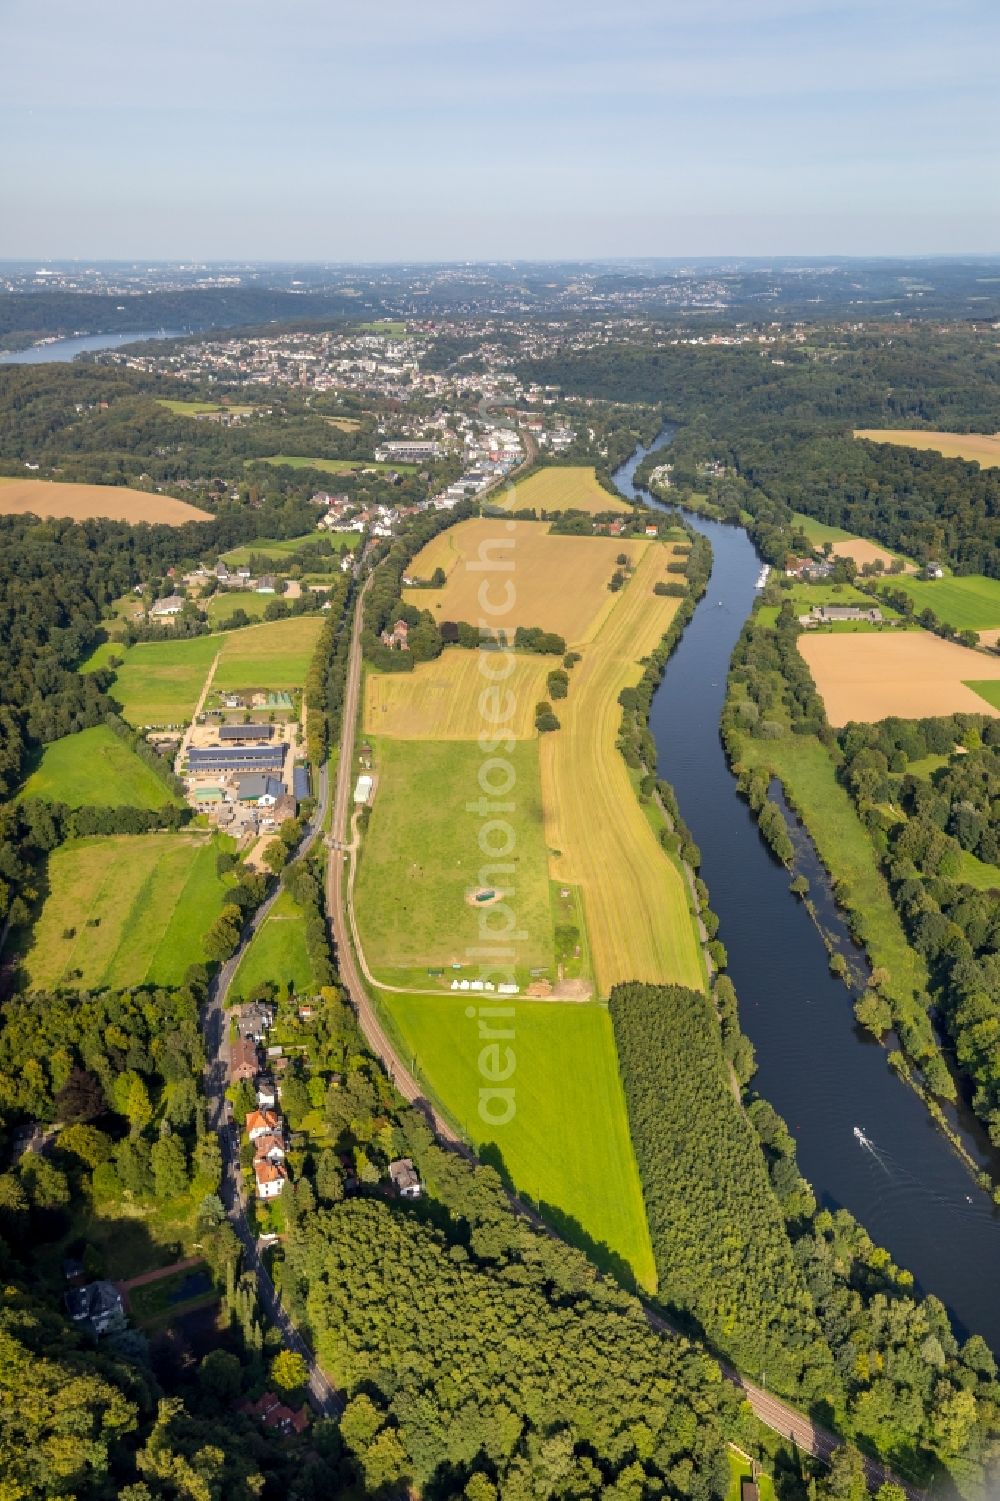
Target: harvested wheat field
x=510, y=573
x=85, y=502
x=984, y=448
x=564, y=487
x=913, y=675
x=443, y=699
x=862, y=552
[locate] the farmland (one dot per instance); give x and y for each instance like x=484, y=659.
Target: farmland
x=125, y=910
x=95, y=768
x=330, y=466
x=636, y=900
x=818, y=532
x=277, y=953
x=421, y=859
x=862, y=552
x=159, y=681
x=970, y=603
x=804, y=597
x=281, y=549
x=990, y=691
x=199, y=408
x=528, y=559
x=440, y=700
x=559, y=488
x=911, y=674
x=983, y=448
x=220, y=606
x=275, y=655
x=567, y=1146
x=82, y=502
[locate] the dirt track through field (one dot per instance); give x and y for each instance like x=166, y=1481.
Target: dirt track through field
x=85, y=502
x=912, y=674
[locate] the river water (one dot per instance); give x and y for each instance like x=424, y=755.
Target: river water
x=911, y=1191
x=62, y=350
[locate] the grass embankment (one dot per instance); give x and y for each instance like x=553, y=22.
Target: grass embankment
x=125, y=910
x=567, y=1146
x=969, y=603
x=95, y=768
x=421, y=858
x=559, y=488
x=277, y=953
x=636, y=899
x=805, y=770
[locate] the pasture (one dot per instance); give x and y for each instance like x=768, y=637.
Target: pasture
x=273, y=655
x=344, y=424
x=199, y=408
x=982, y=448
x=990, y=691
x=910, y=674
x=330, y=466
x=124, y=910
x=970, y=603
x=818, y=532
x=421, y=858
x=559, y=488
x=46, y=498
x=443, y=699
x=226, y=602
x=160, y=682
x=277, y=953
x=95, y=768
x=567, y=1148
x=532, y=579
x=805, y=597
x=636, y=900
x=277, y=547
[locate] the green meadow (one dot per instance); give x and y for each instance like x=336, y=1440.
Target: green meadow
x=804, y=597
x=421, y=858
x=971, y=603
x=95, y=768
x=987, y=688
x=124, y=910
x=817, y=532
x=567, y=1146
x=330, y=466
x=277, y=953
x=160, y=682
x=274, y=655
x=220, y=606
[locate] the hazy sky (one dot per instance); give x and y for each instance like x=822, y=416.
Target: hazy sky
x=309, y=129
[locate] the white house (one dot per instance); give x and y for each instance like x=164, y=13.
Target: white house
x=271, y=1178
x=263, y=1123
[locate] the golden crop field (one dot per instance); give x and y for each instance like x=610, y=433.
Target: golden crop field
x=635, y=899
x=862, y=552
x=912, y=674
x=558, y=583
x=440, y=700
x=984, y=448
x=559, y=488
x=84, y=502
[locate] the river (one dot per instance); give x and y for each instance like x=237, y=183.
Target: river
x=910, y=1190
x=62, y=350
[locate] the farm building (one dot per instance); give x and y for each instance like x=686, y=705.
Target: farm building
x=300, y=782
x=828, y=614
x=172, y=605
x=239, y=734
x=259, y=758
x=262, y=790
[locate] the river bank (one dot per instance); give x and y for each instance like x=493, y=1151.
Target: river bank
x=818, y=1068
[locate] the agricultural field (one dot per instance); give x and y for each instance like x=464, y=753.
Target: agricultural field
x=804, y=597
x=274, y=655
x=983, y=448
x=440, y=700
x=636, y=900
x=160, y=682
x=421, y=861
x=101, y=656
x=344, y=424
x=910, y=674
x=225, y=603
x=567, y=1148
x=124, y=910
x=199, y=408
x=277, y=953
x=574, y=609
x=82, y=502
x=990, y=691
x=969, y=603
x=818, y=532
x=95, y=768
x=389, y=327
x=277, y=547
x=862, y=552
x=330, y=466
x=559, y=488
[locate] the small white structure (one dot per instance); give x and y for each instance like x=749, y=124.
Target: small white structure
x=363, y=791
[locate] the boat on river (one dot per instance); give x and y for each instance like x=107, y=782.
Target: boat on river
x=763, y=576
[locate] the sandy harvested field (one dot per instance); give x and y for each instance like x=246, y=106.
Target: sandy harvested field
x=989, y=638
x=984, y=448
x=913, y=675
x=565, y=487
x=440, y=700
x=862, y=552
x=599, y=839
x=557, y=583
x=84, y=502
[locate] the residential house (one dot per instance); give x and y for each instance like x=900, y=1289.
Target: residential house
x=403, y=1176
x=255, y=1020
x=98, y=1307
x=933, y=571
x=243, y=1059
x=271, y=1178
x=263, y=1123
x=273, y=1413
x=267, y=1094
x=269, y=1147
x=172, y=605
x=267, y=584
x=398, y=638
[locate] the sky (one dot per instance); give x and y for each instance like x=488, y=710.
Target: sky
x=437, y=130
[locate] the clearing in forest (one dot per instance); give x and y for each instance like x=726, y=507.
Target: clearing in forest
x=43, y=497
x=562, y=487
x=516, y=573
x=125, y=910
x=442, y=699
x=984, y=448
x=909, y=674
